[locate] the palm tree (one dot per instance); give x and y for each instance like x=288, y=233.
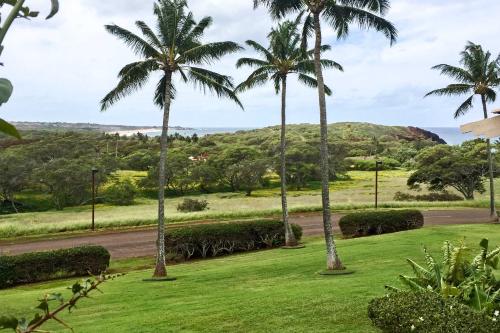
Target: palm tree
x=339, y=14
x=175, y=48
x=480, y=75
x=284, y=56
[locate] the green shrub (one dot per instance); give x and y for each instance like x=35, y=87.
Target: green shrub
x=44, y=266
x=380, y=222
x=192, y=205
x=205, y=240
x=432, y=197
x=121, y=193
x=425, y=312
x=370, y=164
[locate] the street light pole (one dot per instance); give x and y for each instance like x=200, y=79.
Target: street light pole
x=377, y=166
x=94, y=171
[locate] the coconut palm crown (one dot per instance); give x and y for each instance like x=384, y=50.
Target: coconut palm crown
x=174, y=47
x=478, y=76
x=282, y=57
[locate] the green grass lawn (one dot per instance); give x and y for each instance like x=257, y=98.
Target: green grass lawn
x=267, y=291
x=355, y=193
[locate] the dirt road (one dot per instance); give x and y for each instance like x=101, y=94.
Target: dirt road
x=141, y=242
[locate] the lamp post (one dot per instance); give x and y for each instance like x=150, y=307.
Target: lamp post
x=94, y=172
x=377, y=166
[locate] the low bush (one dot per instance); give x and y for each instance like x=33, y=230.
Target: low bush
x=44, y=266
x=432, y=197
x=426, y=312
x=380, y=222
x=192, y=205
x=370, y=164
x=121, y=193
x=219, y=239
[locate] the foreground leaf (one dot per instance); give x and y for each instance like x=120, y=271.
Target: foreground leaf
x=9, y=129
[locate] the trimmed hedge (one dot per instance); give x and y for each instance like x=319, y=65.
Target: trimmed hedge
x=380, y=222
x=44, y=266
x=426, y=312
x=432, y=197
x=214, y=240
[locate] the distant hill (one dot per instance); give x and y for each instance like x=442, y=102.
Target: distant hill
x=81, y=127
x=355, y=139
x=349, y=132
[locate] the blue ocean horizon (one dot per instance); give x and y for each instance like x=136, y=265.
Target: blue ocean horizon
x=452, y=135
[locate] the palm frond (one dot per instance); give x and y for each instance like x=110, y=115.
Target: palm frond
x=456, y=73
x=151, y=37
x=280, y=8
x=159, y=98
x=136, y=43
x=260, y=49
x=312, y=83
x=452, y=90
x=208, y=53
x=251, y=62
x=132, y=79
x=252, y=82
x=200, y=28
x=219, y=84
x=340, y=17
x=377, y=6
x=491, y=95
x=465, y=107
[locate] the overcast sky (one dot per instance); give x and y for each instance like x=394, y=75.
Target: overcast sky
x=62, y=67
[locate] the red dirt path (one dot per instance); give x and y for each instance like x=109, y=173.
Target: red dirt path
x=141, y=242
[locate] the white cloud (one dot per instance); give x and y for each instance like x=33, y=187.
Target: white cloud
x=61, y=68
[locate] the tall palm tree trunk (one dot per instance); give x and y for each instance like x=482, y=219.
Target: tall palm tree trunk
x=289, y=236
x=493, y=211
x=332, y=259
x=161, y=269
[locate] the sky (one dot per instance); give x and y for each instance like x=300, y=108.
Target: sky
x=61, y=68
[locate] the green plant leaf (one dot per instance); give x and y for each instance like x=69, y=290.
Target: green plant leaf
x=54, y=8
x=9, y=129
x=6, y=89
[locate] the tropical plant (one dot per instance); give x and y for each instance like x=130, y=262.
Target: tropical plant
x=478, y=76
x=18, y=10
x=79, y=290
x=459, y=167
x=284, y=56
x=471, y=282
x=175, y=48
x=339, y=14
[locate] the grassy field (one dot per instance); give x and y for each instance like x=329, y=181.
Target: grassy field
x=355, y=193
x=267, y=291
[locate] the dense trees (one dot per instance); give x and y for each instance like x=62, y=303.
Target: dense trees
x=174, y=49
x=459, y=167
x=478, y=76
x=56, y=164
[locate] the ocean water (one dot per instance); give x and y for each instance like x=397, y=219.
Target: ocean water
x=452, y=135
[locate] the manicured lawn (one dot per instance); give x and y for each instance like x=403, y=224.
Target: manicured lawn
x=356, y=193
x=268, y=291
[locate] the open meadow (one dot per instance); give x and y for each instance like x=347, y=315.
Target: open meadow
x=355, y=193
